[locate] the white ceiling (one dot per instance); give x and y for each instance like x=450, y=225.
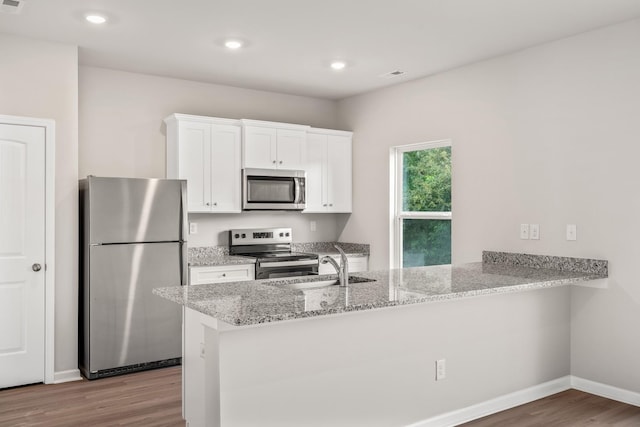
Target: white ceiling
x=290, y=43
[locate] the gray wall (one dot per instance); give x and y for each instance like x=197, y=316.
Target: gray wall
x=548, y=135
x=122, y=134
x=40, y=79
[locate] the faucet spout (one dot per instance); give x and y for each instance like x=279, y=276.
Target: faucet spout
x=342, y=268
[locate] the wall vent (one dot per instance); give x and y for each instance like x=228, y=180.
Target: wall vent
x=392, y=74
x=11, y=6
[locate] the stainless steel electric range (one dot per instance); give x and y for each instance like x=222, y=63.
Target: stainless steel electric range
x=272, y=249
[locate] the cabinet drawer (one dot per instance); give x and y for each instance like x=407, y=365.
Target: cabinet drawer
x=220, y=274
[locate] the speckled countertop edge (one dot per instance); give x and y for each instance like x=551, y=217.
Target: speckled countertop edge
x=206, y=256
x=266, y=295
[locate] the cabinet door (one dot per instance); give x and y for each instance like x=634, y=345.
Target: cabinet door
x=339, y=173
x=194, y=153
x=316, y=165
x=225, y=168
x=259, y=147
x=291, y=148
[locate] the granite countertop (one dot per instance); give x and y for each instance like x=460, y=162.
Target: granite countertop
x=216, y=260
x=264, y=301
x=208, y=256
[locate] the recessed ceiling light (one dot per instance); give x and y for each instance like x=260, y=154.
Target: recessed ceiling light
x=233, y=44
x=338, y=65
x=95, y=19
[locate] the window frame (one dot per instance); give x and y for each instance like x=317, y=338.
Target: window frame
x=397, y=214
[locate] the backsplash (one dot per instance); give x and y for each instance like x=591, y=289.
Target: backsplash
x=202, y=253
x=328, y=247
x=585, y=265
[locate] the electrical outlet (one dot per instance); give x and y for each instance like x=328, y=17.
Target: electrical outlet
x=193, y=228
x=441, y=369
x=312, y=225
x=534, y=231
x=524, y=231
x=572, y=232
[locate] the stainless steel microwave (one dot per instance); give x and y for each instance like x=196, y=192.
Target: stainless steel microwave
x=273, y=189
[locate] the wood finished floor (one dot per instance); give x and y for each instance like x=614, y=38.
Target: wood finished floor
x=571, y=408
x=152, y=398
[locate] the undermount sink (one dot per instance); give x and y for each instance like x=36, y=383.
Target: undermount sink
x=315, y=284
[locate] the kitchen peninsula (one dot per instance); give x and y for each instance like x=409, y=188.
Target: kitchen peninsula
x=281, y=353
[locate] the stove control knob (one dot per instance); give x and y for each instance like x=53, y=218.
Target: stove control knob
x=281, y=234
x=244, y=235
x=236, y=235
x=287, y=234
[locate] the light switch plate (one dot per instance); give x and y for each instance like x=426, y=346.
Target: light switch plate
x=312, y=225
x=534, y=231
x=524, y=231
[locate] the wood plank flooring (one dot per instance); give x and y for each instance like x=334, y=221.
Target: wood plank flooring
x=150, y=398
x=571, y=408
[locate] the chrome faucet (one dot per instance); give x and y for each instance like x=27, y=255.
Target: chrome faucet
x=342, y=270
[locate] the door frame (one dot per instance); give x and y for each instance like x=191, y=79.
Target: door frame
x=49, y=249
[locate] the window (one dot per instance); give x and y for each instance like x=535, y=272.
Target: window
x=421, y=204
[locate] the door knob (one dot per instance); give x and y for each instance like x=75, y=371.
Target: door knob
x=36, y=267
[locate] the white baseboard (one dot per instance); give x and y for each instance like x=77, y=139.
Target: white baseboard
x=66, y=376
x=527, y=395
x=604, y=390
x=498, y=404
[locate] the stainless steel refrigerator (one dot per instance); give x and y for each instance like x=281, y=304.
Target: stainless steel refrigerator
x=133, y=239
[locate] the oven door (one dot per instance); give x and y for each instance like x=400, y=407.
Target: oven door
x=265, y=189
x=270, y=269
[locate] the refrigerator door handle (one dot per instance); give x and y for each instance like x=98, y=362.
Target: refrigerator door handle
x=184, y=220
x=184, y=216
x=184, y=268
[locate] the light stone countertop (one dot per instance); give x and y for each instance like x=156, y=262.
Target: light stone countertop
x=264, y=301
x=210, y=256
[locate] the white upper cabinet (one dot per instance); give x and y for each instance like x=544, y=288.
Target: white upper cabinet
x=328, y=165
x=270, y=145
x=206, y=152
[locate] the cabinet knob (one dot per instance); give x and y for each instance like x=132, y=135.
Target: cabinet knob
x=208, y=204
x=280, y=161
x=330, y=204
x=224, y=274
x=215, y=203
x=324, y=204
x=274, y=162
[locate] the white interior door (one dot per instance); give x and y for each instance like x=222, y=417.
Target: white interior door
x=22, y=254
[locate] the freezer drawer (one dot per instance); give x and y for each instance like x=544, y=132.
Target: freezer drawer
x=125, y=324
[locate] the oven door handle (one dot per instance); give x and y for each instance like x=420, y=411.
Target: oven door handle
x=288, y=263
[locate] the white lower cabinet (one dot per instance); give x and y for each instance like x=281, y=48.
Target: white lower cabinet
x=328, y=167
x=221, y=273
x=356, y=263
x=193, y=369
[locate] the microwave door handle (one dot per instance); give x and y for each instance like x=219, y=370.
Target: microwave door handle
x=297, y=190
